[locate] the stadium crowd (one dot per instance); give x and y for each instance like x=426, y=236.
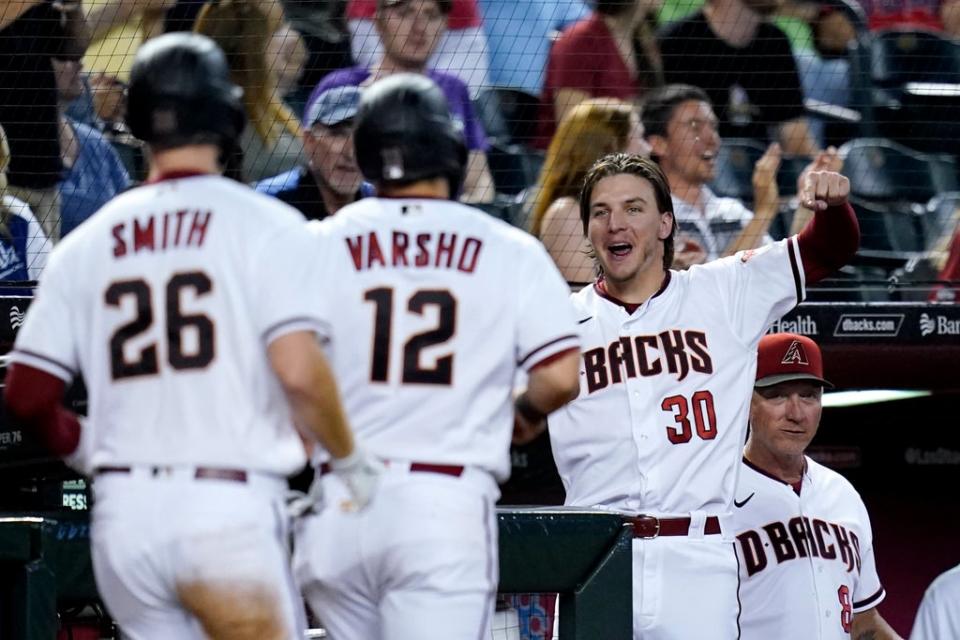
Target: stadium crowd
x=512, y=73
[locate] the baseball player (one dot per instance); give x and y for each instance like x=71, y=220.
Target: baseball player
x=668, y=361
x=180, y=302
x=939, y=614
x=803, y=535
x=432, y=308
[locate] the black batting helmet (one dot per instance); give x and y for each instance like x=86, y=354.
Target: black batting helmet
x=404, y=133
x=180, y=93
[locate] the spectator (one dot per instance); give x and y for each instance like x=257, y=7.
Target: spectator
x=243, y=29
x=93, y=173
x=939, y=616
x=938, y=15
x=783, y=491
x=286, y=57
x=409, y=31
x=746, y=66
x=682, y=130
x=950, y=272
x=330, y=178
x=23, y=244
x=520, y=34
x=591, y=130
x=462, y=50
x=322, y=24
x=28, y=102
x=610, y=54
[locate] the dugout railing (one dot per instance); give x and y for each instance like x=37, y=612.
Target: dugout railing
x=583, y=556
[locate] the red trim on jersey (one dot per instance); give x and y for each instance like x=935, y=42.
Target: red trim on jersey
x=764, y=472
x=176, y=175
x=869, y=601
x=600, y=286
x=33, y=396
x=828, y=241
x=555, y=356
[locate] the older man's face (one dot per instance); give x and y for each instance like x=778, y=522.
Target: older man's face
x=331, y=157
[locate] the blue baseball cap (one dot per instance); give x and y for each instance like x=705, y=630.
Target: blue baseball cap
x=333, y=106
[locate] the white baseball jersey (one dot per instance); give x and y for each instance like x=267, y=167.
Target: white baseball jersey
x=166, y=301
x=660, y=422
x=939, y=615
x=432, y=306
x=806, y=559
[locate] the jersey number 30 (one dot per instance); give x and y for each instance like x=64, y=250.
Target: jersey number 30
x=704, y=417
x=413, y=372
x=146, y=362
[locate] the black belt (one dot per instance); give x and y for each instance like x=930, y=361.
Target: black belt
x=415, y=467
x=200, y=473
x=646, y=527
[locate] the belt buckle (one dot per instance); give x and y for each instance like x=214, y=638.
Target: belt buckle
x=642, y=521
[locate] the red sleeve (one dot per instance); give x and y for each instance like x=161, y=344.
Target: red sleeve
x=33, y=397
x=829, y=241
x=951, y=270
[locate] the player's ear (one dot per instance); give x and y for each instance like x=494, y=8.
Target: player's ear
x=666, y=225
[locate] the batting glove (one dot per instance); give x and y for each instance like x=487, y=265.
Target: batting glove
x=361, y=473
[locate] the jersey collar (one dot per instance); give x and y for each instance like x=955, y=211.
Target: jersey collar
x=600, y=287
x=796, y=486
x=176, y=175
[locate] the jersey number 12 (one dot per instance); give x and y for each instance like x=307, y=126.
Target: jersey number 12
x=413, y=372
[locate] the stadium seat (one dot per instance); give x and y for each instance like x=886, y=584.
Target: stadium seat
x=914, y=87
x=941, y=218
x=509, y=115
x=513, y=167
x=883, y=171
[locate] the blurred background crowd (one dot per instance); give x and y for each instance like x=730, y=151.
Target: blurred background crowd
x=735, y=98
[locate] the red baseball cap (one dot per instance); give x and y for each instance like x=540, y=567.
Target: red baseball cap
x=782, y=357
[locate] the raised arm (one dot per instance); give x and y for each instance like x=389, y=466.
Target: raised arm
x=831, y=238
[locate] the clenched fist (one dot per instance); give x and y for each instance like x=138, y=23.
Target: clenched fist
x=822, y=189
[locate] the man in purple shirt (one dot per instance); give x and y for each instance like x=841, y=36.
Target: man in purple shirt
x=409, y=31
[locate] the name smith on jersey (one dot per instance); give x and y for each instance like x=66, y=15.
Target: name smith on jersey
x=161, y=231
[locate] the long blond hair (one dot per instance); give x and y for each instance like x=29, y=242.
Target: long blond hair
x=243, y=29
x=591, y=130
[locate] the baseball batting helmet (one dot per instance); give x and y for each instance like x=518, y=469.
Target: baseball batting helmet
x=404, y=133
x=180, y=93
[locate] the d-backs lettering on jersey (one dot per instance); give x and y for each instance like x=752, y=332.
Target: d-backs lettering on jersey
x=665, y=388
x=806, y=561
x=798, y=538
x=673, y=351
x=166, y=301
x=431, y=309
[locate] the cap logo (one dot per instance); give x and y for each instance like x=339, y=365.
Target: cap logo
x=795, y=354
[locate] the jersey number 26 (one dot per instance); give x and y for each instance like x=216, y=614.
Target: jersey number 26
x=146, y=362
